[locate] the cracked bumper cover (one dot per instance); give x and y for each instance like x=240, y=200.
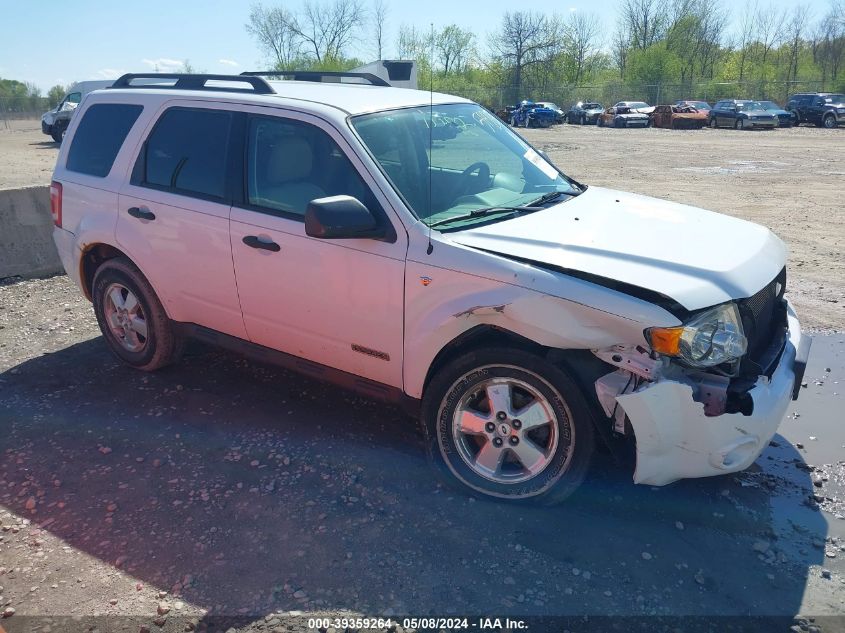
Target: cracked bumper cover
x=675, y=440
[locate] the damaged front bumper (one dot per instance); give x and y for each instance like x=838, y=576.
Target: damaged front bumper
x=676, y=440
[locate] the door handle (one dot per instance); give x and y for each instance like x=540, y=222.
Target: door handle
x=253, y=241
x=141, y=214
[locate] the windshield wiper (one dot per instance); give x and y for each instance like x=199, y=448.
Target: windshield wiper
x=484, y=211
x=549, y=197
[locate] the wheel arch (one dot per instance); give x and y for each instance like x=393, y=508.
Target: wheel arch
x=95, y=255
x=581, y=365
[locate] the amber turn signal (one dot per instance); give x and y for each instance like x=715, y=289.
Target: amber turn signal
x=665, y=340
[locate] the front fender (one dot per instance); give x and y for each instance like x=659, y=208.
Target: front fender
x=457, y=302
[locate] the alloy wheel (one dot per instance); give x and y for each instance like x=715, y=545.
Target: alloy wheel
x=125, y=317
x=505, y=430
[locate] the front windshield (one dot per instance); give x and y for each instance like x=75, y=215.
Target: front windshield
x=637, y=104
x=593, y=106
x=835, y=99
x=769, y=105
x=699, y=105
x=749, y=105
x=474, y=161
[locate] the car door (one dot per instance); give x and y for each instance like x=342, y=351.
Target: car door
x=173, y=218
x=816, y=109
x=715, y=113
x=335, y=302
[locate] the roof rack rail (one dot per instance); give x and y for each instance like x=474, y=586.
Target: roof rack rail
x=318, y=76
x=194, y=82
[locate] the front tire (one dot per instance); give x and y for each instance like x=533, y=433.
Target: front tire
x=829, y=122
x=58, y=133
x=508, y=424
x=132, y=319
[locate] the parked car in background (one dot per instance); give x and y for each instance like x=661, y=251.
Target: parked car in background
x=741, y=114
x=54, y=122
x=559, y=114
x=677, y=117
x=701, y=106
x=585, y=112
x=822, y=108
x=636, y=106
x=785, y=117
x=505, y=113
x=621, y=116
x=530, y=114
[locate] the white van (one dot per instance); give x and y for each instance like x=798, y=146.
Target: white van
x=55, y=121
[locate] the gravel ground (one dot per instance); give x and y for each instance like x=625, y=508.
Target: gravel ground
x=222, y=493
x=221, y=489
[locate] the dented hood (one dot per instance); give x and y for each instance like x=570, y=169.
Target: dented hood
x=696, y=257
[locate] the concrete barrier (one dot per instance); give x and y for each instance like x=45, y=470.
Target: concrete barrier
x=26, y=228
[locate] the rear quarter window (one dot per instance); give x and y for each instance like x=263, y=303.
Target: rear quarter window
x=99, y=136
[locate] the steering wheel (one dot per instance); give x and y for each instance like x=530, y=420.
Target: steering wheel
x=464, y=181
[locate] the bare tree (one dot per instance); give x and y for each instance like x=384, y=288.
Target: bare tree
x=620, y=47
x=453, y=47
x=645, y=21
x=272, y=30
x=695, y=35
x=524, y=39
x=829, y=41
x=768, y=34
x=746, y=35
x=328, y=28
x=323, y=29
x=414, y=44
x=795, y=28
x=582, y=33
x=379, y=17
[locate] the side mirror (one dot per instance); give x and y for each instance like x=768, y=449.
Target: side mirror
x=340, y=217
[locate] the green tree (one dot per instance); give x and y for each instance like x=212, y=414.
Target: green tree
x=56, y=93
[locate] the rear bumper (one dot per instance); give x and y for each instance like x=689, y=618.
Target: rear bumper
x=65, y=242
x=675, y=440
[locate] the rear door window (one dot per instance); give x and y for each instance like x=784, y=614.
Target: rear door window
x=186, y=153
x=99, y=136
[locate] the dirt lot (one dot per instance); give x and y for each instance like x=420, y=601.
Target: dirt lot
x=222, y=493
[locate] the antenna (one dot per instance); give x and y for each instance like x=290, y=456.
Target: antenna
x=430, y=135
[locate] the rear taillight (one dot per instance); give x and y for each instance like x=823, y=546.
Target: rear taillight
x=56, y=202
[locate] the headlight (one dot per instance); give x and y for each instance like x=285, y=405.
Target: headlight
x=708, y=339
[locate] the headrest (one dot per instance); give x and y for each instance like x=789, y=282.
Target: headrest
x=291, y=159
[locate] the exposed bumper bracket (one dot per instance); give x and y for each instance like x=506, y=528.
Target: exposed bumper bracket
x=800, y=365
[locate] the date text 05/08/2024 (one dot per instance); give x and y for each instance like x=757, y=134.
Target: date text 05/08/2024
x=361, y=623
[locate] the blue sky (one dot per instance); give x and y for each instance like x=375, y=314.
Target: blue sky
x=58, y=41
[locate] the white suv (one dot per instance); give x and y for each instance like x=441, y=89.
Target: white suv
x=414, y=248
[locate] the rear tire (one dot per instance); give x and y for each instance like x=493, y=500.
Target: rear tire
x=477, y=442
x=713, y=124
x=132, y=319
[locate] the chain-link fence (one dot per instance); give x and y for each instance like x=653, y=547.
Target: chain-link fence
x=609, y=93
x=21, y=107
